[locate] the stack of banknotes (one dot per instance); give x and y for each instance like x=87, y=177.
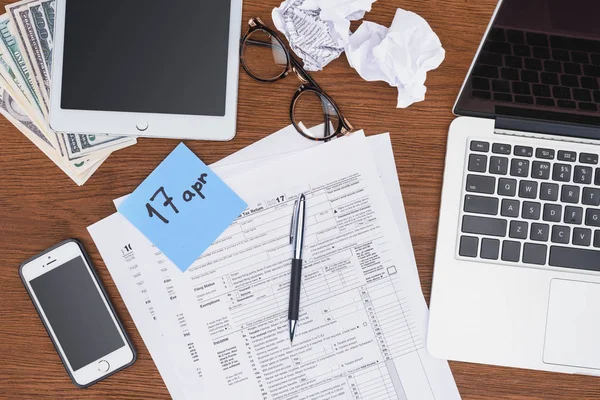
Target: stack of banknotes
x=26, y=42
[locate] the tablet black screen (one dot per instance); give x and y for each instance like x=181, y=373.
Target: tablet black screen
x=146, y=56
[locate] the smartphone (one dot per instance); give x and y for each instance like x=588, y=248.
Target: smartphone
x=77, y=313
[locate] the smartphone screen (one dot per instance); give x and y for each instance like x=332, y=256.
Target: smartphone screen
x=76, y=311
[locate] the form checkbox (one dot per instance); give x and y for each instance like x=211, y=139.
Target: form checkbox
x=392, y=270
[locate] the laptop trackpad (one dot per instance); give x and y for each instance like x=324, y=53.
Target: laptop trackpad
x=573, y=324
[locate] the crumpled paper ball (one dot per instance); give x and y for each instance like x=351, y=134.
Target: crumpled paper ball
x=400, y=55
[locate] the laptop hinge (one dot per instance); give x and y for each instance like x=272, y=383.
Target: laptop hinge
x=548, y=130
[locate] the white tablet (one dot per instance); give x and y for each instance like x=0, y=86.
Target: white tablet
x=146, y=67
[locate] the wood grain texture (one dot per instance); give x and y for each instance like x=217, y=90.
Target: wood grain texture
x=39, y=206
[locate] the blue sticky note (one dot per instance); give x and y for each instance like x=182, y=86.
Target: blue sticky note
x=182, y=207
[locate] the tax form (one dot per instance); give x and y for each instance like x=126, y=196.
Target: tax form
x=363, y=317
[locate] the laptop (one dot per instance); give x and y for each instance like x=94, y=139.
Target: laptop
x=517, y=267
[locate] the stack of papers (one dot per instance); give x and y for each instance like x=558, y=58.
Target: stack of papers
x=219, y=329
x=26, y=47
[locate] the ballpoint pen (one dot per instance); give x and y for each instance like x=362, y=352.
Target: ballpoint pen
x=297, y=240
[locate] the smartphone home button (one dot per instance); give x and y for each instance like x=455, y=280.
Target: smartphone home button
x=103, y=366
x=142, y=126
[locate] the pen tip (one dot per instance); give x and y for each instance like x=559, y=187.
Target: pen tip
x=292, y=330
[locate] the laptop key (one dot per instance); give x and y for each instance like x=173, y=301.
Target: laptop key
x=542, y=101
x=592, y=217
x=510, y=208
x=513, y=62
x=530, y=76
x=591, y=197
x=521, y=88
x=589, y=83
x=481, y=205
x=569, y=80
x=552, y=212
x=597, y=177
x=523, y=151
x=570, y=194
x=566, y=104
x=541, y=52
x=550, y=78
x=573, y=215
x=539, y=232
x=535, y=253
x=533, y=64
x=572, y=257
x=591, y=71
x=560, y=55
x=481, y=184
x=501, y=86
x=561, y=92
x=509, y=74
x=549, y=191
x=490, y=249
x=582, y=95
x=596, y=238
x=524, y=99
x=511, y=251
x=582, y=236
x=501, y=148
x=507, y=187
x=518, y=230
x=468, y=246
x=583, y=175
x=547, y=154
x=588, y=158
x=588, y=107
x=561, y=172
x=567, y=156
x=540, y=170
x=480, y=146
x=541, y=90
x=519, y=167
x=498, y=165
x=484, y=226
x=560, y=234
x=531, y=210
x=528, y=189
x=477, y=163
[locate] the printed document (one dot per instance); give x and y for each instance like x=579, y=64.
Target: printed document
x=223, y=323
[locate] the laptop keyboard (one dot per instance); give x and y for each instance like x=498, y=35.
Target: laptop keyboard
x=531, y=205
x=532, y=68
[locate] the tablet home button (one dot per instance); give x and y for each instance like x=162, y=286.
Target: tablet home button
x=142, y=126
x=103, y=366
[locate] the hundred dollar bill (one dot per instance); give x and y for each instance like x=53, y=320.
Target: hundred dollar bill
x=80, y=145
x=49, y=7
x=43, y=34
x=10, y=109
x=19, y=58
x=7, y=71
x=22, y=23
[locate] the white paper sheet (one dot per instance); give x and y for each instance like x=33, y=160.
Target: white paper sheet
x=400, y=55
x=405, y=376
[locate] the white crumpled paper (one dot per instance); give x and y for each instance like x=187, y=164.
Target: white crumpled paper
x=318, y=30
x=400, y=55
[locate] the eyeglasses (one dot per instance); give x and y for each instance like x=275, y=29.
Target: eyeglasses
x=265, y=58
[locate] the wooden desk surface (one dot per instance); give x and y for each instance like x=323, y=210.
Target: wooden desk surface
x=39, y=206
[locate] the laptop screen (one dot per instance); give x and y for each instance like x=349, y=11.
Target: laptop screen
x=540, y=61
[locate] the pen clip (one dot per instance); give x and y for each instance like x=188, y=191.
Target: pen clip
x=294, y=221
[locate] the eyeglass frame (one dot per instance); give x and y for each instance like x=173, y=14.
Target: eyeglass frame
x=308, y=83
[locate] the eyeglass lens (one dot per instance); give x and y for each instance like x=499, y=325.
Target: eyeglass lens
x=311, y=109
x=264, y=56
